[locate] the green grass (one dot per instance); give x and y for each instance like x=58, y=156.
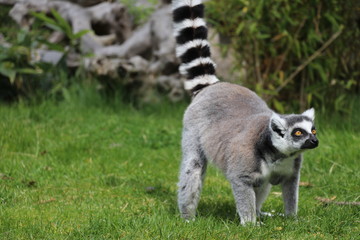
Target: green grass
x=88, y=169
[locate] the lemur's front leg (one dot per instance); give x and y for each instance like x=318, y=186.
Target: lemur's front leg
x=244, y=195
x=261, y=193
x=290, y=189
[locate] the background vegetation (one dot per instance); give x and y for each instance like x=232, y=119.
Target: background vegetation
x=78, y=162
x=305, y=52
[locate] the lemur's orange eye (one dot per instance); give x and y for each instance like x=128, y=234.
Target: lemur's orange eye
x=298, y=133
x=313, y=131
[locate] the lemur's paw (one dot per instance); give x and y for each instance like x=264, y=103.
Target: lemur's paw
x=253, y=224
x=188, y=218
x=264, y=214
x=259, y=224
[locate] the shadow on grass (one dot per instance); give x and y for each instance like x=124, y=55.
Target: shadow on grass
x=223, y=210
x=164, y=195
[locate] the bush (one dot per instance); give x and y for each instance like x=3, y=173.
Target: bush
x=21, y=74
x=300, y=52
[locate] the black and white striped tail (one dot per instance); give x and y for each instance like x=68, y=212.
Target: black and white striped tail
x=192, y=47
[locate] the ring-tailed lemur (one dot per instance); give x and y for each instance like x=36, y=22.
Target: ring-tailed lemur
x=233, y=128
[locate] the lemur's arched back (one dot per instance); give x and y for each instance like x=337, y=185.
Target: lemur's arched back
x=192, y=48
x=232, y=127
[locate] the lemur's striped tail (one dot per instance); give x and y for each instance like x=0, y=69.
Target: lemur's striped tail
x=192, y=48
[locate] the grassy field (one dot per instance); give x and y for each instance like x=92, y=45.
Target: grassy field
x=85, y=169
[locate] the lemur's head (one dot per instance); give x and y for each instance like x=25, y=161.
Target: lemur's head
x=293, y=133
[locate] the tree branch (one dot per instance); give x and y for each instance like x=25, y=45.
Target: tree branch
x=310, y=59
x=331, y=201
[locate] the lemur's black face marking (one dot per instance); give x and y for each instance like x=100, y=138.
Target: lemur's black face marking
x=311, y=140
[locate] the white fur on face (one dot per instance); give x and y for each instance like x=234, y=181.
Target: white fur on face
x=282, y=144
x=306, y=125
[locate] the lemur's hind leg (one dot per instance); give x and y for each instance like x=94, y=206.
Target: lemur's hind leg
x=192, y=174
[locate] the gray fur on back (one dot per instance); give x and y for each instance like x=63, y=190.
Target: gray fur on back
x=226, y=117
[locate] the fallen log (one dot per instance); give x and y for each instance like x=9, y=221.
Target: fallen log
x=111, y=18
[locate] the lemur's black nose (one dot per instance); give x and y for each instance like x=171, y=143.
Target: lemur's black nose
x=314, y=142
x=310, y=143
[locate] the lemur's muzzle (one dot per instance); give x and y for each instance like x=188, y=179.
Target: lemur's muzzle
x=310, y=143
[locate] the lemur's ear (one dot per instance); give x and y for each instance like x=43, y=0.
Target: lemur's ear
x=310, y=113
x=278, y=124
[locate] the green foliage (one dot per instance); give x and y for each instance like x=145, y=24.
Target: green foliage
x=58, y=23
x=18, y=61
x=296, y=53
x=140, y=13
x=7, y=25
x=15, y=61
x=87, y=169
